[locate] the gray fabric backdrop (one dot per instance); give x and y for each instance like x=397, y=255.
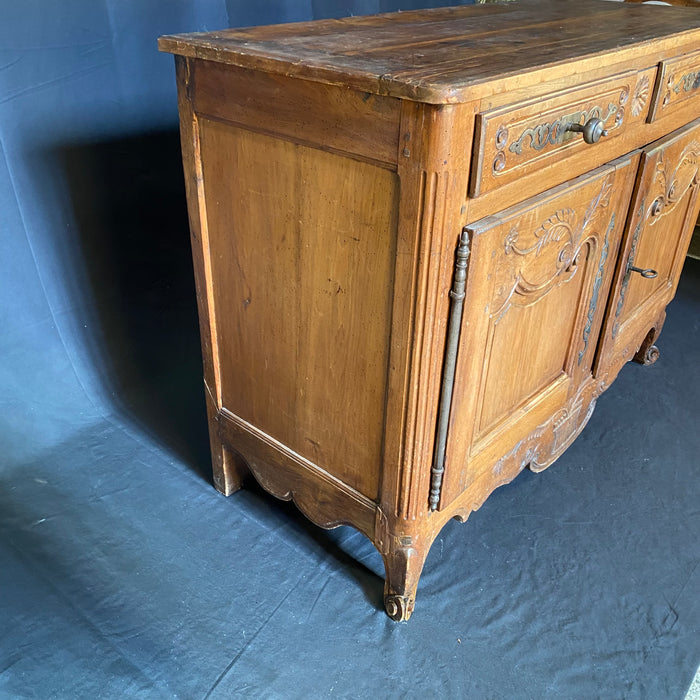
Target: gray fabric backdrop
x=124, y=574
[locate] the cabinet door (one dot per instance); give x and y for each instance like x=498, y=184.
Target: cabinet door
x=538, y=277
x=659, y=228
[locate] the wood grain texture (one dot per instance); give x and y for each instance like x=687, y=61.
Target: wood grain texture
x=543, y=273
x=227, y=472
x=438, y=55
x=666, y=199
x=307, y=242
x=433, y=171
x=324, y=499
x=301, y=111
x=679, y=83
x=333, y=169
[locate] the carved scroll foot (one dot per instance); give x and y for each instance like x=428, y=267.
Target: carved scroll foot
x=648, y=353
x=403, y=564
x=648, y=357
x=399, y=608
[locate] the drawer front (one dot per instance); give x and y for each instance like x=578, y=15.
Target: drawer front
x=679, y=82
x=520, y=139
x=662, y=217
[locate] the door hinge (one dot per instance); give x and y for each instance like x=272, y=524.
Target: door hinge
x=457, y=294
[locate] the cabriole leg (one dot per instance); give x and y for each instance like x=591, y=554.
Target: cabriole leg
x=403, y=563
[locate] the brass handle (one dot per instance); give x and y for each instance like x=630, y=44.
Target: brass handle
x=592, y=130
x=647, y=273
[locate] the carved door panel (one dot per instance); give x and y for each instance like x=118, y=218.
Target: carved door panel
x=660, y=224
x=538, y=277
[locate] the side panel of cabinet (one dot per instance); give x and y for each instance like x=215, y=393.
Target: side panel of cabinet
x=538, y=277
x=301, y=249
x=660, y=225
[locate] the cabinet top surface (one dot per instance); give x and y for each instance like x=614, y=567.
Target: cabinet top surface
x=441, y=55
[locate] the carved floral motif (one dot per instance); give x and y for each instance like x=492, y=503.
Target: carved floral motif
x=596, y=289
x=564, y=229
x=688, y=82
x=670, y=184
x=542, y=447
x=640, y=97
x=673, y=182
x=553, y=133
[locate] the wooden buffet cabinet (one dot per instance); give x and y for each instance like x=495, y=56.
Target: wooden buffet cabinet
x=426, y=242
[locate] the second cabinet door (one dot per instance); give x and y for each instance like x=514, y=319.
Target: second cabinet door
x=538, y=278
x=660, y=224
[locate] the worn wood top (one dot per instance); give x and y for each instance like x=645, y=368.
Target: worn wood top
x=442, y=55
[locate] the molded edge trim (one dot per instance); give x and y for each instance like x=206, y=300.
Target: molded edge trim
x=322, y=498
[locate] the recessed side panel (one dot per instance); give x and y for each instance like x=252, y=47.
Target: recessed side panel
x=302, y=244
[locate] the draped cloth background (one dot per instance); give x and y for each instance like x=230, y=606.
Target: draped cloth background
x=124, y=574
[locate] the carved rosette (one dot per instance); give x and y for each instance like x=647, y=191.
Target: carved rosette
x=640, y=97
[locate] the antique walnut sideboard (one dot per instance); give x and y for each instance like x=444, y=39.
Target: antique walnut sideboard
x=426, y=242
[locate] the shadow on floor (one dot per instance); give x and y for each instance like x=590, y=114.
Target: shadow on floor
x=128, y=200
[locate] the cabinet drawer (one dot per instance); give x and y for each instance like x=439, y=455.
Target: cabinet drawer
x=519, y=139
x=679, y=82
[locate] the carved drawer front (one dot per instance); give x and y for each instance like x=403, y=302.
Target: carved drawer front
x=678, y=85
x=517, y=140
x=665, y=202
x=539, y=274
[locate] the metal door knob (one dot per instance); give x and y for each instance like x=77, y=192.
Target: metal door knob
x=592, y=130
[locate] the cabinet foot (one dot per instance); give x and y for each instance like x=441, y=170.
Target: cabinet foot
x=399, y=608
x=229, y=468
x=648, y=353
x=648, y=357
x=403, y=563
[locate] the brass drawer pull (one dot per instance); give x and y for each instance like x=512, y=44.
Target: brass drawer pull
x=647, y=273
x=592, y=130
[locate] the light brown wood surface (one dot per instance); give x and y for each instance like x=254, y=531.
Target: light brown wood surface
x=439, y=55
x=414, y=280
